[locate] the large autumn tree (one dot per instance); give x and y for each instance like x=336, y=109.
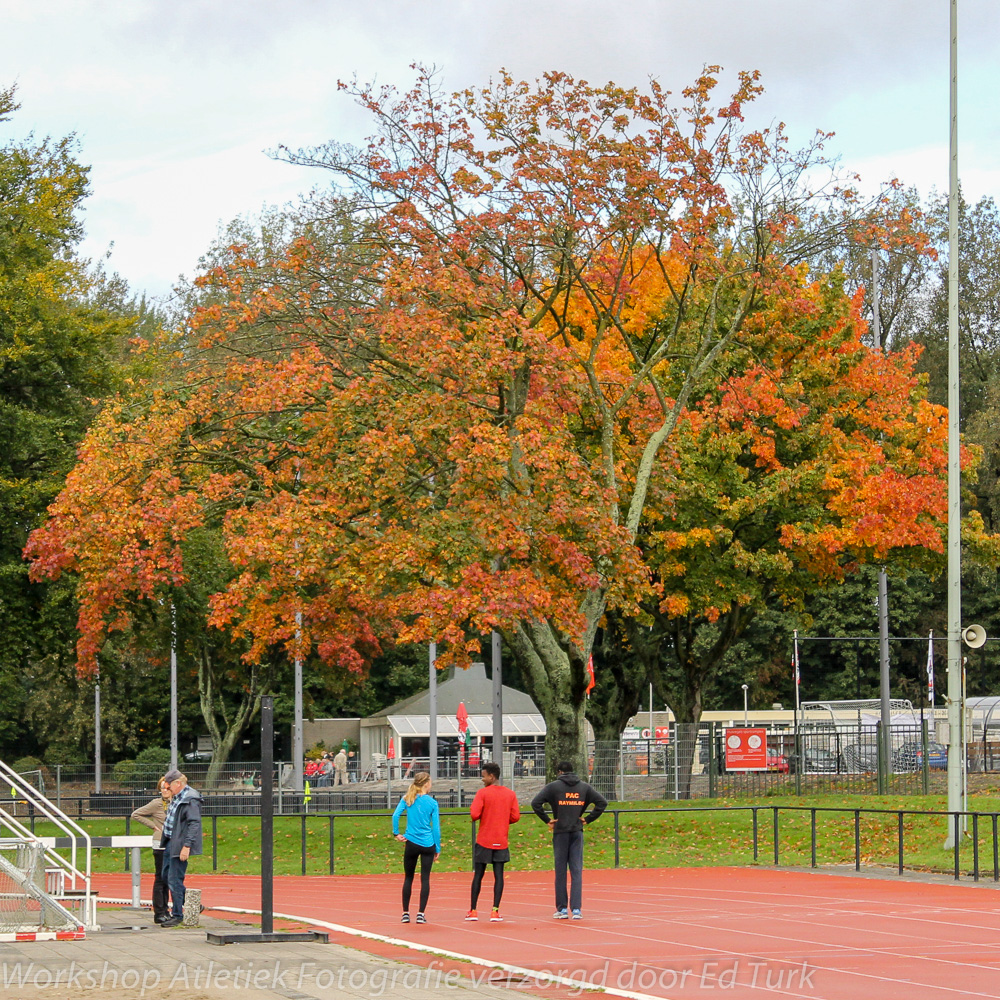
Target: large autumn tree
x=813, y=455
x=450, y=416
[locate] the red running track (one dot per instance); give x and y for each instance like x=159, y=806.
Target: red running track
x=676, y=933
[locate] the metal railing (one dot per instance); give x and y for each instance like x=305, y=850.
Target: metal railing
x=766, y=840
x=685, y=762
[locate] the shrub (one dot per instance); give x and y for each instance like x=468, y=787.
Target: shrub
x=149, y=765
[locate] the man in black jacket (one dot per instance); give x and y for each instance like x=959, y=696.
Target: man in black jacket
x=181, y=838
x=568, y=797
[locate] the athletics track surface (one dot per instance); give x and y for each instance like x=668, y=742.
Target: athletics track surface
x=672, y=933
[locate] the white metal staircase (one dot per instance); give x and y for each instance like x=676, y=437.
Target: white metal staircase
x=41, y=889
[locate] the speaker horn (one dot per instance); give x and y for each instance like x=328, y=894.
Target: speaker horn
x=974, y=636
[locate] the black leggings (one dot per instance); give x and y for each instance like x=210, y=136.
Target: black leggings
x=410, y=854
x=477, y=882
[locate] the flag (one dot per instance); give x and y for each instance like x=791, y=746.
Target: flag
x=590, y=670
x=462, y=721
x=930, y=670
x=390, y=754
x=308, y=794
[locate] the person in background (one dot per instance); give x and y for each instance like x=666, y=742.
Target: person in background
x=422, y=839
x=340, y=767
x=568, y=797
x=181, y=838
x=325, y=772
x=152, y=814
x=352, y=765
x=496, y=808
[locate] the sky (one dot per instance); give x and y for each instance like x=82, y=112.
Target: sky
x=176, y=104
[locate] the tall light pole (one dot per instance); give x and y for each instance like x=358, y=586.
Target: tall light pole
x=745, y=713
x=173, y=686
x=883, y=588
x=955, y=705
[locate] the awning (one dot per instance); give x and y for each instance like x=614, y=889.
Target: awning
x=479, y=725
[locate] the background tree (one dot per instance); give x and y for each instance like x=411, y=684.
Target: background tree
x=454, y=422
x=811, y=457
x=64, y=331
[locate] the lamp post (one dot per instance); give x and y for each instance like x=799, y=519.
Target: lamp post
x=745, y=689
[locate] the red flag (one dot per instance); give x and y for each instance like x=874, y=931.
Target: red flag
x=590, y=670
x=390, y=754
x=462, y=720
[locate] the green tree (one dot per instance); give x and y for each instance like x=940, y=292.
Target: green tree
x=64, y=328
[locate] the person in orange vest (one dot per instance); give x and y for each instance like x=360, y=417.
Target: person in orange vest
x=495, y=806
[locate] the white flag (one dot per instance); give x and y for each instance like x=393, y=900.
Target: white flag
x=930, y=670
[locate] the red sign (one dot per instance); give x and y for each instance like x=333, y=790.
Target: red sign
x=746, y=749
x=661, y=734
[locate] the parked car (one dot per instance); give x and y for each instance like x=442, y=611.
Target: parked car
x=815, y=761
x=777, y=762
x=198, y=755
x=910, y=756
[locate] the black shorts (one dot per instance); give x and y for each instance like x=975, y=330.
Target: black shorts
x=490, y=856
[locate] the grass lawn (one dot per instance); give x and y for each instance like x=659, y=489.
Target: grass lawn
x=685, y=834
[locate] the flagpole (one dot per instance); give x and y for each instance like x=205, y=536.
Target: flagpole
x=930, y=671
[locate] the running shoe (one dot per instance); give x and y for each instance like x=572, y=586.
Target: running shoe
x=495, y=917
x=421, y=919
x=472, y=915
x=577, y=915
x=561, y=914
x=406, y=918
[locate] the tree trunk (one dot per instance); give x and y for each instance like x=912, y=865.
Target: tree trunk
x=555, y=674
x=214, y=707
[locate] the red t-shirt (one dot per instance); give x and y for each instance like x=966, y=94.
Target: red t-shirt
x=495, y=806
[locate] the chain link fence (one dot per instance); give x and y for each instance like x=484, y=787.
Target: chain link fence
x=680, y=762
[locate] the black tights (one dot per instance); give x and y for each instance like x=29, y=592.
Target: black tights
x=477, y=882
x=410, y=854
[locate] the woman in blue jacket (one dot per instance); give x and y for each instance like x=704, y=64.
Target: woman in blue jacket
x=422, y=839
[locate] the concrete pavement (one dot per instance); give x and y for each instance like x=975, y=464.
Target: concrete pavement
x=132, y=958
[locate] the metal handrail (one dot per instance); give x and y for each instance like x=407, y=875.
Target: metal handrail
x=54, y=815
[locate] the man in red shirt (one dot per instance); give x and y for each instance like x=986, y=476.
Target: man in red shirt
x=496, y=808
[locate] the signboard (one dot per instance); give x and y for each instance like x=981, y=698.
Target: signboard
x=661, y=734
x=746, y=749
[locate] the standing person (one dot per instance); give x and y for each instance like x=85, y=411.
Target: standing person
x=423, y=840
x=495, y=806
x=340, y=767
x=153, y=814
x=568, y=798
x=181, y=838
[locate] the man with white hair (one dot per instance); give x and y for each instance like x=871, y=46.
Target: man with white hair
x=181, y=838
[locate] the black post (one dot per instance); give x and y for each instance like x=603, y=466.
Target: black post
x=267, y=815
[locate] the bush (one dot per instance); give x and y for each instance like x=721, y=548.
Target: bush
x=23, y=764
x=143, y=772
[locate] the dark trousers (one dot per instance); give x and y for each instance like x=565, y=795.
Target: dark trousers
x=160, y=904
x=567, y=851
x=411, y=852
x=479, y=870
x=174, y=871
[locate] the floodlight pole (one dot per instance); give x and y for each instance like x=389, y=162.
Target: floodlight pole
x=497, y=666
x=298, y=734
x=745, y=710
x=432, y=729
x=173, y=686
x=955, y=704
x=883, y=587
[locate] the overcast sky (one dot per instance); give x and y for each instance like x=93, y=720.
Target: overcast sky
x=176, y=103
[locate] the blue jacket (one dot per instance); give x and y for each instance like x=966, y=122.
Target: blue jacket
x=423, y=822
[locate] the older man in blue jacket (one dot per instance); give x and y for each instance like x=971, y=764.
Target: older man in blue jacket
x=181, y=838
